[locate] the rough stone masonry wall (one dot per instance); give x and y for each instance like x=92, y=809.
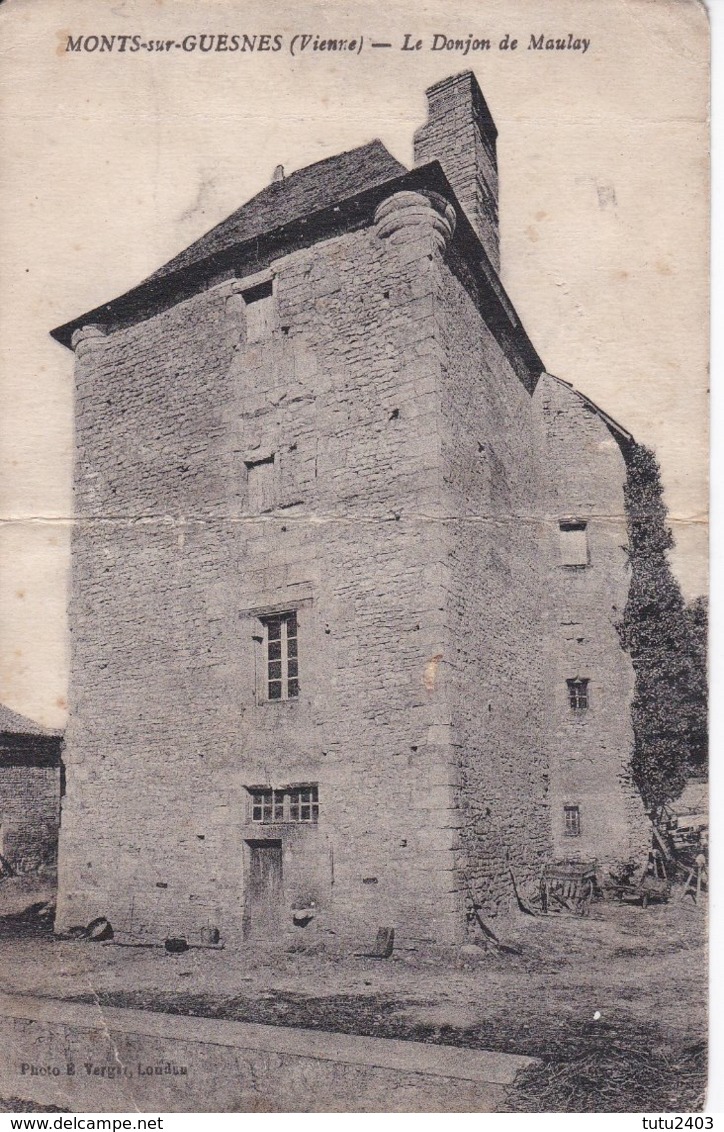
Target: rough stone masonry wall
x=170, y=572
x=493, y=602
x=29, y=815
x=583, y=473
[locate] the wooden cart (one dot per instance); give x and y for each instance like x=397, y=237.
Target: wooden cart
x=568, y=886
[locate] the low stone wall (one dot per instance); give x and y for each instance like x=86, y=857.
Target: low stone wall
x=97, y=1059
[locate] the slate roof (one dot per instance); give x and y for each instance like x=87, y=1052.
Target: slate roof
x=301, y=193
x=12, y=723
x=314, y=203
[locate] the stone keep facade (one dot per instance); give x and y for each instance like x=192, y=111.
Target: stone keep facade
x=321, y=626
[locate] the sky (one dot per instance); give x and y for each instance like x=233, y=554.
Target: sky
x=115, y=162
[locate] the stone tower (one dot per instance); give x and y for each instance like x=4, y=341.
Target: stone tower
x=311, y=637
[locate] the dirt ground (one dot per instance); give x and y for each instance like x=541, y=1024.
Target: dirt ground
x=613, y=1004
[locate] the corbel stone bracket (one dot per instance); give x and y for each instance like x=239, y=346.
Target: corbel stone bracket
x=410, y=215
x=85, y=336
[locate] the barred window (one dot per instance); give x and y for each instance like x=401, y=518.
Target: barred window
x=281, y=656
x=574, y=543
x=572, y=821
x=578, y=698
x=289, y=804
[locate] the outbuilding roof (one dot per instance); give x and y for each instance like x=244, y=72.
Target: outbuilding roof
x=12, y=723
x=621, y=434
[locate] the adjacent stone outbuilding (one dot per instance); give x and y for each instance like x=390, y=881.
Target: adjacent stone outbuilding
x=30, y=787
x=344, y=646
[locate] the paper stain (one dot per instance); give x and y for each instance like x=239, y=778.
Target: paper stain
x=606, y=196
x=429, y=675
x=198, y=205
x=62, y=37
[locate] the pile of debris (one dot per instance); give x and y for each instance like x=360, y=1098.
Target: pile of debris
x=684, y=824
x=680, y=853
x=100, y=930
x=644, y=885
x=681, y=832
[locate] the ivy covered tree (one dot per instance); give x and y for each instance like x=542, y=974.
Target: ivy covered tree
x=666, y=642
x=697, y=613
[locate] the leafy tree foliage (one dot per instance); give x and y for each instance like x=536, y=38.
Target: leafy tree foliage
x=667, y=644
x=697, y=613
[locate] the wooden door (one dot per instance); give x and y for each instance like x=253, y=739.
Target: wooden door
x=265, y=899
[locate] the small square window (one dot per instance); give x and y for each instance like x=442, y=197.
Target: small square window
x=572, y=821
x=573, y=543
x=578, y=694
x=260, y=312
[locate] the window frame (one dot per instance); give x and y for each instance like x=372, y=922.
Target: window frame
x=297, y=804
x=286, y=675
x=260, y=297
x=579, y=693
x=572, y=821
x=262, y=493
x=573, y=526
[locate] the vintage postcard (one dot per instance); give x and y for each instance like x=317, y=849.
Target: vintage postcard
x=353, y=556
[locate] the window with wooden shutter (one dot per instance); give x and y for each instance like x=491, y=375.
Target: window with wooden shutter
x=573, y=543
x=260, y=312
x=261, y=482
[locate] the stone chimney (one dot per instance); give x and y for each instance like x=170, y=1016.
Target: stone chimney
x=460, y=134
